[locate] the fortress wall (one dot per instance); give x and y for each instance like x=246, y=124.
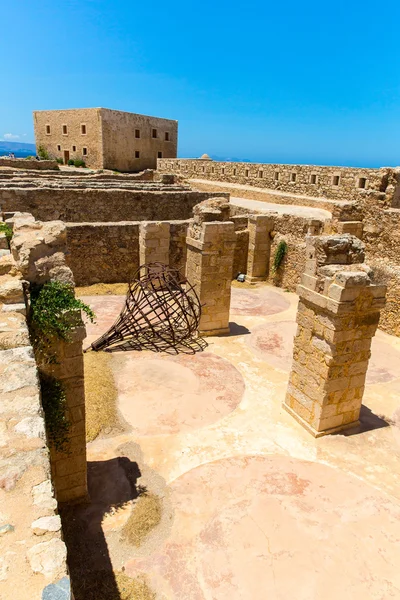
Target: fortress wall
x=311, y=180
x=105, y=205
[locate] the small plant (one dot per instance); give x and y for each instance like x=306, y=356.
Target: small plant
x=60, y=161
x=70, y=162
x=50, y=308
x=29, y=157
x=4, y=228
x=79, y=163
x=42, y=153
x=54, y=406
x=280, y=254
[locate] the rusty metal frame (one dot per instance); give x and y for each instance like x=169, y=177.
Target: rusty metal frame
x=161, y=313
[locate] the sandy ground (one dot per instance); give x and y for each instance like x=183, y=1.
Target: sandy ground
x=283, y=209
x=254, y=508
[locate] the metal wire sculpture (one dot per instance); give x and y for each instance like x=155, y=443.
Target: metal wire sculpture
x=161, y=313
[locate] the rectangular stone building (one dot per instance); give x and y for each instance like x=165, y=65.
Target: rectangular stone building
x=106, y=139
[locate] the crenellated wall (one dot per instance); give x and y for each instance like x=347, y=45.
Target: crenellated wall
x=336, y=183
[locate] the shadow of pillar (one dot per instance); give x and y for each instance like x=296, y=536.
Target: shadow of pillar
x=111, y=484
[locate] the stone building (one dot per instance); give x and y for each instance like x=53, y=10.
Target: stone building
x=106, y=139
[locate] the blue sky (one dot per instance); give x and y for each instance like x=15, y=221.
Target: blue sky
x=297, y=82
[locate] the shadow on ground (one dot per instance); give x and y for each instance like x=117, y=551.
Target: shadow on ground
x=368, y=422
x=111, y=484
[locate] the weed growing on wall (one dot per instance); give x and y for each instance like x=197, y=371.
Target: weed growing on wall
x=52, y=311
x=280, y=253
x=4, y=228
x=54, y=406
x=51, y=306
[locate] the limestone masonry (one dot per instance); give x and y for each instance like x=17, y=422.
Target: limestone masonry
x=106, y=139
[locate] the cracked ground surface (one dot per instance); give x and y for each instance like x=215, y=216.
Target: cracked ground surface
x=253, y=507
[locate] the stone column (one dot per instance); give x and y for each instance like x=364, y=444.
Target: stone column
x=337, y=317
x=260, y=227
x=69, y=472
x=154, y=242
x=210, y=252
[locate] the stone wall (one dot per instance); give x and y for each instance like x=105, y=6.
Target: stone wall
x=27, y=165
x=338, y=183
x=87, y=205
x=120, y=142
x=39, y=252
x=102, y=252
x=32, y=553
x=109, y=252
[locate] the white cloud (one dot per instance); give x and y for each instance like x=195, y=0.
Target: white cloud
x=10, y=136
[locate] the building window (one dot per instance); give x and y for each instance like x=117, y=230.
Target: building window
x=137, y=133
x=137, y=154
x=84, y=151
x=167, y=136
x=212, y=170
x=276, y=175
x=223, y=170
x=73, y=148
x=246, y=173
x=234, y=172
x=260, y=174
x=336, y=180
x=362, y=182
x=154, y=133
x=59, y=148
x=293, y=177
x=313, y=179
x=203, y=169
x=159, y=154
x=64, y=130
x=83, y=129
x=48, y=131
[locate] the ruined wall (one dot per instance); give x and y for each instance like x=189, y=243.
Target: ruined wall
x=109, y=252
x=32, y=553
x=102, y=252
x=311, y=180
x=29, y=165
x=177, y=245
x=86, y=205
x=72, y=119
x=120, y=142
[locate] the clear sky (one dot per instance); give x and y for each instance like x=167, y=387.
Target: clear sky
x=297, y=82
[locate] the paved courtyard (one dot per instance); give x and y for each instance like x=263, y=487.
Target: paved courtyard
x=253, y=507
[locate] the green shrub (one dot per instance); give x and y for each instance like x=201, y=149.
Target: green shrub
x=280, y=253
x=50, y=307
x=60, y=161
x=4, y=228
x=79, y=163
x=29, y=157
x=71, y=162
x=42, y=153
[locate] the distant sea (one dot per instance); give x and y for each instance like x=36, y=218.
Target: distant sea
x=19, y=149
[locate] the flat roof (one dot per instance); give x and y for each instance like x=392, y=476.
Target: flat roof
x=103, y=108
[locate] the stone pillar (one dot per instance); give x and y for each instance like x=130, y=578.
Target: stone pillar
x=210, y=252
x=260, y=227
x=154, y=242
x=69, y=472
x=337, y=317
